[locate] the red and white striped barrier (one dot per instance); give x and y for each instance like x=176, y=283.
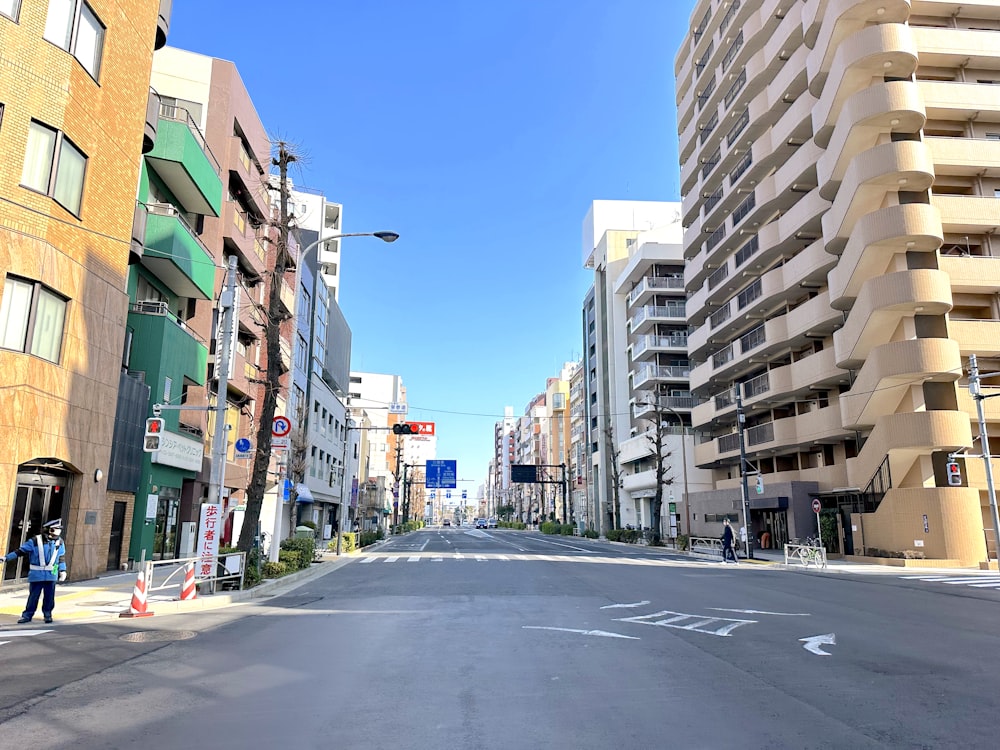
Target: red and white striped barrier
x=188, y=588
x=138, y=606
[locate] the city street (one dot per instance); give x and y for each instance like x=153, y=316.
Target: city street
x=465, y=638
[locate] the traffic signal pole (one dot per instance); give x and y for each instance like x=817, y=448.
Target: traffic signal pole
x=745, y=493
x=984, y=443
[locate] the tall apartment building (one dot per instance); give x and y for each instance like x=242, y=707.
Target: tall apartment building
x=74, y=122
x=499, y=488
x=840, y=167
x=635, y=357
x=372, y=393
x=579, y=463
x=557, y=428
x=204, y=191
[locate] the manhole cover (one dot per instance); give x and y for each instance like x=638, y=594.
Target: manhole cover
x=151, y=636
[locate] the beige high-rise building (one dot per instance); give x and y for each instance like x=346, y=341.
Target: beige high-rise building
x=840, y=173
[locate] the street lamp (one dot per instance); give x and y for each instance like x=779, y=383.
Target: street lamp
x=384, y=236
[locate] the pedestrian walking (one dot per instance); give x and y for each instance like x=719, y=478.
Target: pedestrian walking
x=727, y=543
x=45, y=566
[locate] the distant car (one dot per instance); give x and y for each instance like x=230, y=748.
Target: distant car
x=492, y=523
x=447, y=522
x=481, y=523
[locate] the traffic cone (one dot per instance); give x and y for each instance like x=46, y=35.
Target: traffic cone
x=188, y=589
x=138, y=606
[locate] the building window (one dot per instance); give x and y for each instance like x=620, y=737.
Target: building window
x=54, y=166
x=31, y=319
x=72, y=25
x=10, y=8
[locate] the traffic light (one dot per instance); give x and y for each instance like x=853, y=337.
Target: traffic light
x=954, y=472
x=154, y=429
x=404, y=428
x=760, y=485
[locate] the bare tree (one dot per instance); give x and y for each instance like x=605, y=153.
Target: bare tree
x=615, y=511
x=273, y=317
x=657, y=442
x=298, y=446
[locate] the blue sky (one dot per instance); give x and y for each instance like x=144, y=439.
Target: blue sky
x=480, y=131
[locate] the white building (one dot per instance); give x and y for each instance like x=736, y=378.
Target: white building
x=373, y=393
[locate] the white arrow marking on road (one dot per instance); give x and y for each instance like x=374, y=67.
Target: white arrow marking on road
x=814, y=642
x=600, y=633
x=761, y=612
x=625, y=606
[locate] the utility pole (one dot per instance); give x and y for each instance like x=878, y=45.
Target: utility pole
x=740, y=423
x=563, y=467
x=975, y=390
x=223, y=350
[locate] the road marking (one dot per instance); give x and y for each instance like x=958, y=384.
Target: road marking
x=24, y=633
x=761, y=612
x=414, y=558
x=994, y=585
x=368, y=560
x=599, y=633
x=699, y=622
x=504, y=557
x=437, y=559
x=813, y=643
x=643, y=603
x=480, y=558
x=393, y=558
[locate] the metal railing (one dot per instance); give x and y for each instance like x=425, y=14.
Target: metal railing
x=180, y=114
x=718, y=276
x=166, y=209
x=749, y=294
x=721, y=315
x=747, y=251
x=757, y=386
x=805, y=555
x=738, y=127
x=729, y=443
x=733, y=50
x=722, y=356
x=160, y=309
x=752, y=339
x=762, y=433
x=735, y=89
x=742, y=210
x=708, y=127
x=741, y=166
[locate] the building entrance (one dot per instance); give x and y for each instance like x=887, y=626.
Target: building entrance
x=772, y=525
x=38, y=499
x=165, y=533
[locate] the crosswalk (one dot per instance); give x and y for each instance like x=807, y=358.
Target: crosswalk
x=972, y=581
x=472, y=557
x=20, y=634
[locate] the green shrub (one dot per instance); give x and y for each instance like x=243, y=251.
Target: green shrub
x=274, y=569
x=291, y=558
x=590, y=534
x=550, y=527
x=683, y=541
x=370, y=537
x=250, y=576
x=305, y=548
x=629, y=536
x=310, y=524
x=566, y=529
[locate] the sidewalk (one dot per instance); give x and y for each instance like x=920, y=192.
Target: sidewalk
x=106, y=597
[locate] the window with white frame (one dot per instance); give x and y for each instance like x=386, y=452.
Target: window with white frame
x=10, y=8
x=32, y=317
x=73, y=25
x=54, y=166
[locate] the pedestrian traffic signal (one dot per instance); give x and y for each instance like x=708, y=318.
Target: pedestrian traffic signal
x=154, y=430
x=404, y=428
x=760, y=485
x=954, y=472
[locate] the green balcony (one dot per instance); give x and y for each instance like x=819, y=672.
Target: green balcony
x=175, y=255
x=163, y=347
x=185, y=164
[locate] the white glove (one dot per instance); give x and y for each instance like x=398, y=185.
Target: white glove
x=62, y=576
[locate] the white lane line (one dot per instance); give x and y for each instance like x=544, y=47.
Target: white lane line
x=599, y=633
x=437, y=559
x=414, y=558
x=480, y=558
x=972, y=581
x=503, y=557
x=643, y=603
x=424, y=545
x=993, y=585
x=367, y=560
x=760, y=612
x=393, y=558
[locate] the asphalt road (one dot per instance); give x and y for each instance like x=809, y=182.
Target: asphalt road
x=459, y=638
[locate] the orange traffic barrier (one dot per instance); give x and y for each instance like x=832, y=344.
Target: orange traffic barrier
x=138, y=606
x=188, y=588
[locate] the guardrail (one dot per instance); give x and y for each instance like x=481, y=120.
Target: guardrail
x=163, y=575
x=805, y=555
x=705, y=545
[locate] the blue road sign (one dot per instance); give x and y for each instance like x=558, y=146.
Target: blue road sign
x=243, y=445
x=441, y=474
x=447, y=494
x=433, y=495
x=465, y=494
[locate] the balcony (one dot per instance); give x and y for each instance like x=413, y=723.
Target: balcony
x=163, y=23
x=665, y=402
x=162, y=345
x=648, y=373
x=184, y=162
x=175, y=254
x=152, y=122
x=240, y=236
x=650, y=285
x=653, y=344
x=882, y=303
x=963, y=214
x=286, y=355
x=287, y=297
x=980, y=337
x=138, y=234
x=647, y=316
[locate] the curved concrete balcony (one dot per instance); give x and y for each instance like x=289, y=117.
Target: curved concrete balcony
x=876, y=238
x=906, y=436
x=801, y=431
x=872, y=52
x=955, y=100
x=799, y=227
x=784, y=383
x=635, y=448
x=643, y=480
x=971, y=274
x=882, y=303
x=701, y=377
x=890, y=371
x=871, y=112
x=965, y=156
x=966, y=214
x=794, y=125
x=693, y=235
x=957, y=48
x=979, y=337
x=716, y=409
x=889, y=167
x=828, y=24
x=163, y=23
